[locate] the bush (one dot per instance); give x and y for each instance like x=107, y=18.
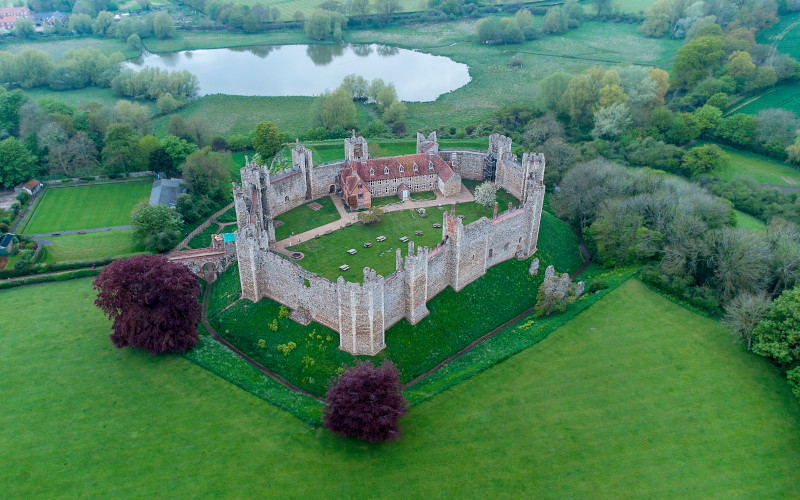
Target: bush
x=219, y=144
x=365, y=402
x=597, y=285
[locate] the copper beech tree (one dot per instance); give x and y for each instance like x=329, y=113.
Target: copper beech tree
x=152, y=303
x=365, y=402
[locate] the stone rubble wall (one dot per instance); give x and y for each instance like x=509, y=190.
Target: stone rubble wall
x=468, y=164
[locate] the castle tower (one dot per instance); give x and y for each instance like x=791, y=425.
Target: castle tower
x=355, y=149
x=427, y=145
x=301, y=160
x=251, y=200
x=416, y=284
x=453, y=233
x=361, y=314
x=533, y=201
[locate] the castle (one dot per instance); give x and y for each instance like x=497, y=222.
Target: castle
x=362, y=312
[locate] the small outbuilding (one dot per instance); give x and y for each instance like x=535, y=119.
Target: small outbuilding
x=32, y=187
x=6, y=241
x=166, y=191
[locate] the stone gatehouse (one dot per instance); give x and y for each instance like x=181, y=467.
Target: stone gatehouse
x=362, y=312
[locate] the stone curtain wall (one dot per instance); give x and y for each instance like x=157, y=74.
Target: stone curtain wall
x=362, y=312
x=468, y=164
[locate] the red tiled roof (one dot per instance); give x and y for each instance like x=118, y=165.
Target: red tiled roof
x=31, y=184
x=14, y=11
x=393, y=163
x=350, y=180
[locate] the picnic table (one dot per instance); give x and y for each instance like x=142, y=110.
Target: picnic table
x=367, y=244
x=352, y=251
x=344, y=267
x=437, y=225
x=418, y=233
x=380, y=238
x=404, y=239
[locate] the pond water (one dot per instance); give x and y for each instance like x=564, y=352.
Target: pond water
x=307, y=70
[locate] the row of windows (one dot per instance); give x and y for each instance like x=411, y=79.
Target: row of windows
x=389, y=191
x=395, y=182
x=401, y=169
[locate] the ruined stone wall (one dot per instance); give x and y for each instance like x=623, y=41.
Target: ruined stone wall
x=510, y=176
x=438, y=270
x=361, y=319
x=286, y=191
x=323, y=177
x=506, y=236
x=394, y=308
x=471, y=249
x=467, y=164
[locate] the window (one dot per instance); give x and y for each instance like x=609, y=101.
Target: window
x=286, y=199
x=490, y=253
x=416, y=168
x=385, y=170
x=360, y=186
x=360, y=195
x=372, y=172
x=430, y=165
x=401, y=169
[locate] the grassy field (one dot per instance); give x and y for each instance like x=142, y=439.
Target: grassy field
x=87, y=207
x=303, y=218
x=782, y=96
x=636, y=397
x=57, y=48
x=90, y=246
x=748, y=221
x=203, y=240
x=633, y=6
x=758, y=168
x=325, y=254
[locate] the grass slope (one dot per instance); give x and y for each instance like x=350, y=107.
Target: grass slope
x=636, y=397
x=90, y=246
x=87, y=207
x=759, y=168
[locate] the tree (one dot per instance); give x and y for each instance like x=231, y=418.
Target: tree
x=24, y=28
x=386, y=9
x=178, y=149
x=334, y=109
x=16, y=163
x=704, y=159
x=552, y=21
x=696, y=60
x=160, y=161
x=360, y=9
x=555, y=293
x=103, y=24
x=743, y=314
x=205, y=173
x=356, y=85
x=134, y=42
x=80, y=23
x=396, y=112
x=386, y=97
x=156, y=227
x=371, y=216
x=163, y=27
x=486, y=194
x=740, y=67
x=121, y=152
x=152, y=303
x=551, y=90
x=777, y=336
x=611, y=122
x=267, y=139
x=10, y=103
x=365, y=402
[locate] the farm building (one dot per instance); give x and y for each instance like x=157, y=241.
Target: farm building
x=31, y=187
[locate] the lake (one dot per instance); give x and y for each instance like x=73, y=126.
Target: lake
x=307, y=70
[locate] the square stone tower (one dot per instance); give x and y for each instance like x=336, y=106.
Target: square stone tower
x=355, y=149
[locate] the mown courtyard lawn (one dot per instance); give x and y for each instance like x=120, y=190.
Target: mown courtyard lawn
x=324, y=255
x=91, y=246
x=636, y=397
x=304, y=218
x=87, y=207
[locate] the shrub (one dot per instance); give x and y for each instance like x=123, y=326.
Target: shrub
x=262, y=343
x=273, y=325
x=371, y=216
x=365, y=402
x=597, y=285
x=287, y=348
x=793, y=377
x=283, y=312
